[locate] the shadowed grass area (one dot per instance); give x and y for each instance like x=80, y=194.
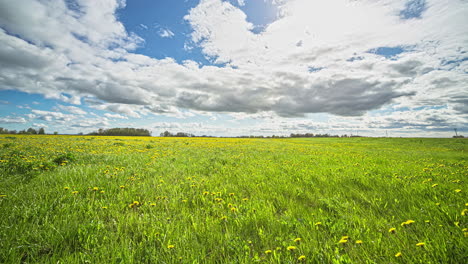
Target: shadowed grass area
x=199, y=200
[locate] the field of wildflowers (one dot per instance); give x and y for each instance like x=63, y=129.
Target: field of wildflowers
x=72, y=199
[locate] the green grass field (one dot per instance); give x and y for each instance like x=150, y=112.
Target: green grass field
x=70, y=199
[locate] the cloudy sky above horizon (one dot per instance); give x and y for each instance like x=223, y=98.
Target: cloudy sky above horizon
x=236, y=67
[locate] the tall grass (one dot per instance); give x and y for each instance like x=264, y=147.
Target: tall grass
x=188, y=200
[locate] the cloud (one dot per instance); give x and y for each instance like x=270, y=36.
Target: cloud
x=91, y=123
x=115, y=116
x=12, y=120
x=241, y=2
x=166, y=33
x=72, y=109
x=86, y=53
x=55, y=117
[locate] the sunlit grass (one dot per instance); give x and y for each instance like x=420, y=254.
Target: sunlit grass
x=190, y=200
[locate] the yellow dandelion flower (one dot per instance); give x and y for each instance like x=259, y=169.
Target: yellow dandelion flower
x=152, y=204
x=434, y=185
x=206, y=193
x=464, y=212
x=398, y=254
x=95, y=189
x=318, y=223
x=75, y=192
x=223, y=217
x=437, y=204
x=466, y=204
x=465, y=229
x=358, y=241
x=122, y=186
x=420, y=244
x=409, y=222
x=66, y=188
x=291, y=248
x=297, y=240
x=392, y=230
x=231, y=194
x=184, y=201
x=343, y=241
x=245, y=199
x=104, y=207
x=170, y=246
x=136, y=203
x=267, y=252
x=301, y=258
x=458, y=190
x=102, y=191
x=233, y=209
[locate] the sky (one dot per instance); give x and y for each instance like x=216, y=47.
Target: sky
x=236, y=67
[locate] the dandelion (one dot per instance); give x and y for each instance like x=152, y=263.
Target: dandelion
x=245, y=199
x=301, y=258
x=122, y=186
x=102, y=191
x=409, y=222
x=95, y=189
x=464, y=212
x=297, y=240
x=437, y=204
x=318, y=223
x=434, y=185
x=66, y=188
x=392, y=230
x=291, y=248
x=104, y=207
x=231, y=194
x=134, y=204
x=420, y=244
x=184, y=201
x=358, y=241
x=398, y=254
x=465, y=229
x=267, y=252
x=75, y=192
x=206, y=193
x=458, y=190
x=152, y=204
x=224, y=218
x=343, y=240
x=170, y=246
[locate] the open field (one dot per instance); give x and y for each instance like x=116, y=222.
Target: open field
x=73, y=199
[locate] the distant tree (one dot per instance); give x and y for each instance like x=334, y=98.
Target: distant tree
x=166, y=134
x=122, y=132
x=31, y=131
x=55, y=133
x=41, y=131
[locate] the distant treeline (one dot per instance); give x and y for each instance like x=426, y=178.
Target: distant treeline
x=29, y=131
x=308, y=135
x=178, y=134
x=127, y=131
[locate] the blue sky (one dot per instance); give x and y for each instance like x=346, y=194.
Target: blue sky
x=229, y=68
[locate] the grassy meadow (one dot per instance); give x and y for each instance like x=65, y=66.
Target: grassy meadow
x=84, y=199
